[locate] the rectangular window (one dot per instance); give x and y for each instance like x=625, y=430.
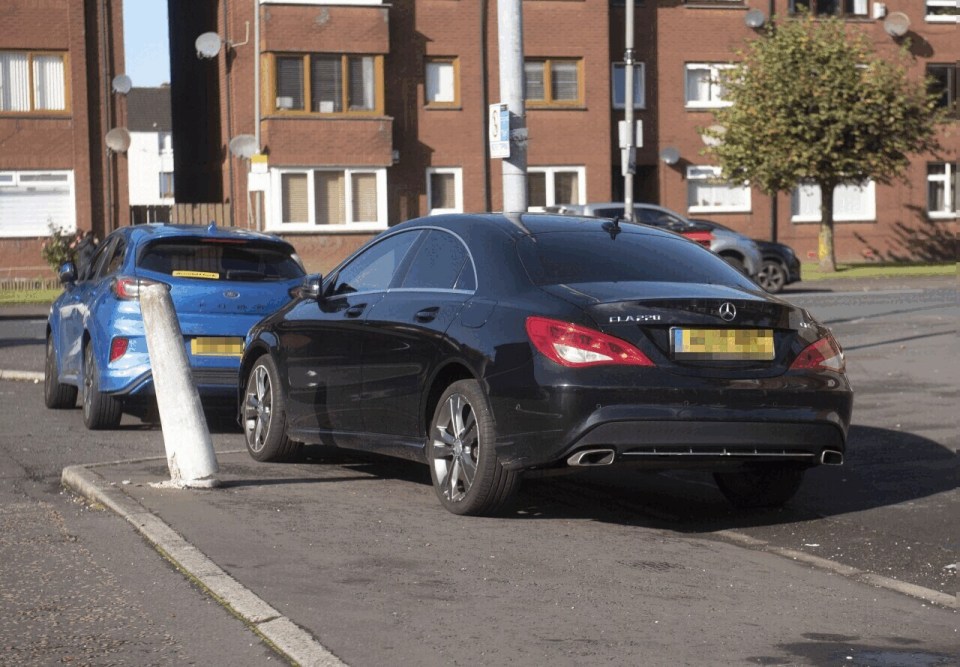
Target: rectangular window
x=321, y=198
x=32, y=81
x=707, y=193
x=851, y=8
x=328, y=83
x=553, y=186
x=943, y=180
x=703, y=89
x=442, y=87
x=445, y=190
x=619, y=89
x=851, y=202
x=31, y=201
x=945, y=82
x=553, y=82
x=166, y=184
x=943, y=11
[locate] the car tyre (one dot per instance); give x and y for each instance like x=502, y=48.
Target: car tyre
x=467, y=475
x=760, y=486
x=265, y=415
x=100, y=411
x=56, y=396
x=772, y=276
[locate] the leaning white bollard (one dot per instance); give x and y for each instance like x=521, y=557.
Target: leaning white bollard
x=186, y=438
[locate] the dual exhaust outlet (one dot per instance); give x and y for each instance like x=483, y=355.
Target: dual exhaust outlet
x=605, y=456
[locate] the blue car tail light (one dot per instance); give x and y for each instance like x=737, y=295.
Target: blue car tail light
x=128, y=288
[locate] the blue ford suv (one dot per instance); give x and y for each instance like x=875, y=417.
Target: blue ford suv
x=221, y=281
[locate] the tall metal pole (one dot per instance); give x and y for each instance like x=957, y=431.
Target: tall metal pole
x=628, y=156
x=510, y=31
x=256, y=100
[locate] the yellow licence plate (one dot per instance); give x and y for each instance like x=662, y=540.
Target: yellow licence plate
x=216, y=346
x=722, y=344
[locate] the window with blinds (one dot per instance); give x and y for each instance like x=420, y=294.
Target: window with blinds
x=32, y=81
x=327, y=83
x=553, y=82
x=553, y=186
x=310, y=198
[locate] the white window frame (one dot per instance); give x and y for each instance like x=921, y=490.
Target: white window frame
x=701, y=173
x=639, y=85
x=321, y=2
x=11, y=180
x=458, y=189
x=715, y=100
x=930, y=17
x=811, y=190
x=551, y=192
x=948, y=181
x=274, y=222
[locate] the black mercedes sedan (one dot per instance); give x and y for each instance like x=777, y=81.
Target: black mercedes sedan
x=494, y=346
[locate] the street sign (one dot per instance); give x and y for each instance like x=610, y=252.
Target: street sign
x=499, y=131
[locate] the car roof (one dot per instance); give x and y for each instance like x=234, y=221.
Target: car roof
x=162, y=230
x=523, y=224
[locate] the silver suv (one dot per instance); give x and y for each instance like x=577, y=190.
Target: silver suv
x=737, y=249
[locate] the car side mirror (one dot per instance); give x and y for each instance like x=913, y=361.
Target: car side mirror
x=67, y=273
x=311, y=287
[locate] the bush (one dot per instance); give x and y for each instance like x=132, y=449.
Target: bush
x=62, y=246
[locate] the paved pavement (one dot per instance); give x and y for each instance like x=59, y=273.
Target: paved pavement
x=126, y=488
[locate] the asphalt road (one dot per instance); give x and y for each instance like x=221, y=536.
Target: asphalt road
x=607, y=568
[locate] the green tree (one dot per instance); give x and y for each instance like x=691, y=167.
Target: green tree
x=813, y=103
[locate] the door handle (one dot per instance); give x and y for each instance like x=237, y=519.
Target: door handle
x=355, y=311
x=427, y=314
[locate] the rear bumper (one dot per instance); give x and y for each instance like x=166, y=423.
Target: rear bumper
x=718, y=424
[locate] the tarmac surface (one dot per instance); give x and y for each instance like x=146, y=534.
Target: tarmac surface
x=160, y=514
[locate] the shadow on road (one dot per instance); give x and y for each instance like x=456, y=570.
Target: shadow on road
x=884, y=467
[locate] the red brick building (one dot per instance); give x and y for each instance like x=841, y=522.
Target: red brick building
x=57, y=61
x=372, y=113
x=912, y=220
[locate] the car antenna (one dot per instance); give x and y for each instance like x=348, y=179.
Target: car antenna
x=613, y=227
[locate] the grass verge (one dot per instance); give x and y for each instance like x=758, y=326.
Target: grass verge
x=9, y=297
x=810, y=271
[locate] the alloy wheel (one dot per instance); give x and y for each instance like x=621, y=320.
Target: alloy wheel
x=456, y=447
x=258, y=409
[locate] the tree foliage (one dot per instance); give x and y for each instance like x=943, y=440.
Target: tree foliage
x=812, y=103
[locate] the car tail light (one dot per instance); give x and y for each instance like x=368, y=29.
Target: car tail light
x=703, y=238
x=825, y=354
x=118, y=348
x=572, y=345
x=128, y=289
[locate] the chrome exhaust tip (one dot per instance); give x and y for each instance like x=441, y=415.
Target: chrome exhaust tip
x=592, y=457
x=831, y=457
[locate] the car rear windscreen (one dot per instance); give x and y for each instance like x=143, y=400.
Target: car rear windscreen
x=567, y=258
x=248, y=261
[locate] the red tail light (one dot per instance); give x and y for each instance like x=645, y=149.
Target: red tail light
x=576, y=346
x=703, y=238
x=128, y=288
x=118, y=348
x=825, y=354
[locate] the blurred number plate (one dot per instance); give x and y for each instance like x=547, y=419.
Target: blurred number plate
x=722, y=344
x=216, y=347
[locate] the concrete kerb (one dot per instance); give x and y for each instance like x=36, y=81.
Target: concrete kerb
x=879, y=581
x=288, y=639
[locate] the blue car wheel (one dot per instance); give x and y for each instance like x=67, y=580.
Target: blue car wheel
x=100, y=411
x=55, y=395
